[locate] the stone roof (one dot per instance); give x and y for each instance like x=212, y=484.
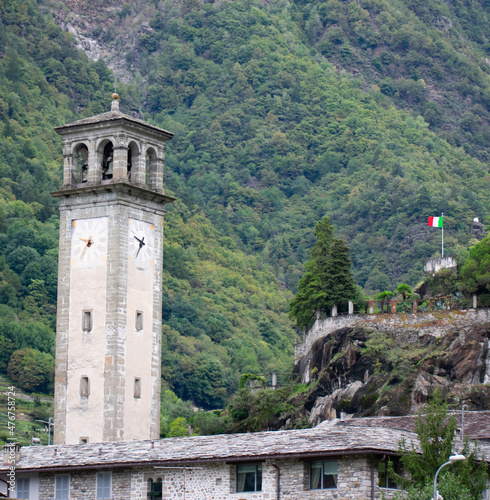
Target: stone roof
x=328, y=438
x=112, y=116
x=355, y=436
x=476, y=423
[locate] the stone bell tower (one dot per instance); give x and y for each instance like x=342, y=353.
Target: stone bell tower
x=108, y=338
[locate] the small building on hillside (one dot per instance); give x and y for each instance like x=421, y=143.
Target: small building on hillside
x=342, y=460
x=433, y=266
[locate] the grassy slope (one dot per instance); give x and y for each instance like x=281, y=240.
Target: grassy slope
x=24, y=415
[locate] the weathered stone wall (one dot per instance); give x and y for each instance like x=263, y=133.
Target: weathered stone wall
x=436, y=323
x=83, y=485
x=323, y=327
x=435, y=265
x=217, y=481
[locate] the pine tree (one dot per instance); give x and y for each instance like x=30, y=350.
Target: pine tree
x=327, y=279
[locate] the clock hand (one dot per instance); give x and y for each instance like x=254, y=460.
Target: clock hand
x=142, y=244
x=88, y=242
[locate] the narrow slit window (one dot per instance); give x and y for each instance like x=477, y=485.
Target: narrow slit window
x=84, y=386
x=87, y=321
x=84, y=440
x=139, y=320
x=137, y=388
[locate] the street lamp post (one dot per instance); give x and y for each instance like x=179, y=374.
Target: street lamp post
x=452, y=460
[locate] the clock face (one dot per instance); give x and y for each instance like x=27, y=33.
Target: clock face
x=141, y=241
x=89, y=241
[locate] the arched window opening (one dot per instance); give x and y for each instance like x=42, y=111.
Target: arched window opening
x=154, y=489
x=147, y=168
x=81, y=160
x=151, y=161
x=132, y=163
x=107, y=161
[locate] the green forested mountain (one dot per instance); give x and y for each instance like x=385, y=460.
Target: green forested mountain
x=272, y=133
x=44, y=81
x=225, y=312
x=373, y=113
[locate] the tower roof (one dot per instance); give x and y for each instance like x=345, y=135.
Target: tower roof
x=113, y=116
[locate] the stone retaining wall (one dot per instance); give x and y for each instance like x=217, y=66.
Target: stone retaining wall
x=436, y=323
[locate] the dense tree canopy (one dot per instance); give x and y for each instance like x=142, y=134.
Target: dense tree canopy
x=327, y=280
x=271, y=133
x=475, y=273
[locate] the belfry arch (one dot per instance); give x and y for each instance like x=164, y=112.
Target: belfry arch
x=105, y=156
x=80, y=164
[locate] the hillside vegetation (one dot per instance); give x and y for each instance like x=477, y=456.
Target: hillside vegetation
x=224, y=311
x=276, y=126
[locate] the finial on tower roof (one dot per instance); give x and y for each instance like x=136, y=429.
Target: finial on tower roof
x=115, y=102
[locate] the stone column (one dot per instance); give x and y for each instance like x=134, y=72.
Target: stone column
x=120, y=169
x=351, y=307
x=475, y=301
x=274, y=380
x=371, y=307
x=156, y=170
x=136, y=167
x=415, y=306
x=69, y=173
x=393, y=306
x=334, y=311
x=318, y=315
x=138, y=172
x=94, y=165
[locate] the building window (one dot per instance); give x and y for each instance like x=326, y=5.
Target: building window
x=139, y=320
x=84, y=440
x=137, y=387
x=154, y=489
x=87, y=320
x=84, y=386
x=323, y=475
x=62, y=487
x=248, y=477
x=384, y=479
x=104, y=480
x=22, y=488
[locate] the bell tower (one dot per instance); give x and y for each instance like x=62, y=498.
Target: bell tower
x=108, y=334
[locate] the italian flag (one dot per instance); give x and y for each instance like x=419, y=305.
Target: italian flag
x=435, y=221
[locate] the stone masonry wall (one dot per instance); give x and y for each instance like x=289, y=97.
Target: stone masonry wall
x=83, y=485
x=217, y=481
x=435, y=323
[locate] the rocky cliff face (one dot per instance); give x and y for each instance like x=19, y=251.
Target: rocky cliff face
x=367, y=372
x=107, y=30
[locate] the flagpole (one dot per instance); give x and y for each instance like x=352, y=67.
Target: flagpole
x=442, y=234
